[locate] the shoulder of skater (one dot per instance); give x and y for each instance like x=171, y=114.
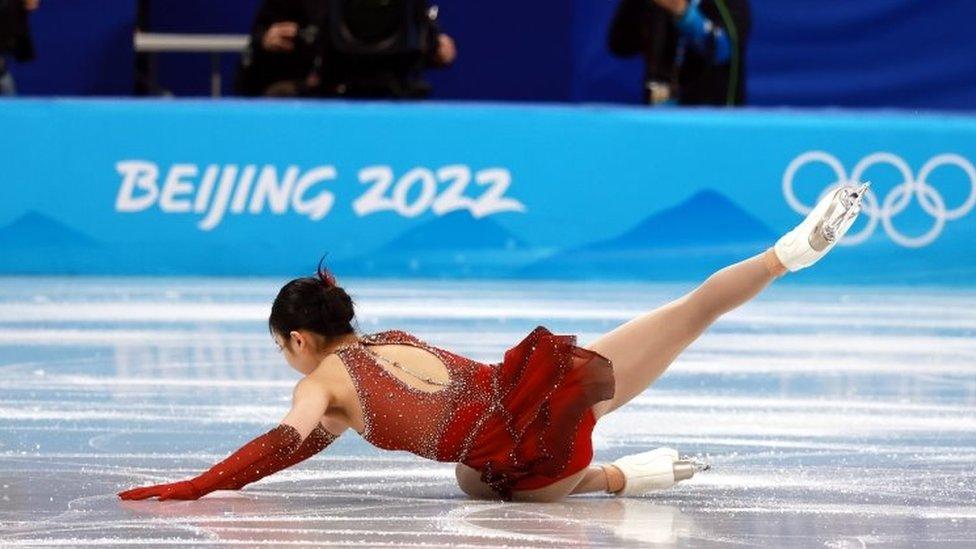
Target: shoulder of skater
x=330, y=378
x=309, y=402
x=310, y=392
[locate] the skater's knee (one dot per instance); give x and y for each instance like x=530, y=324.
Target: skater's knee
x=695, y=311
x=710, y=300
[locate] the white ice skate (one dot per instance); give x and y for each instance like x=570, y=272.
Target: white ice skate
x=822, y=229
x=655, y=470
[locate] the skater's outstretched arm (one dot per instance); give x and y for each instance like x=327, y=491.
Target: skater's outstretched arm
x=319, y=439
x=297, y=437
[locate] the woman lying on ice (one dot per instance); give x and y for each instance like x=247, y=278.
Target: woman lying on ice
x=519, y=429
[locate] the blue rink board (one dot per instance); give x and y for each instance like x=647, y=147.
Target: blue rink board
x=476, y=191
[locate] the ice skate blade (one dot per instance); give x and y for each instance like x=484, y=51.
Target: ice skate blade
x=843, y=208
x=687, y=467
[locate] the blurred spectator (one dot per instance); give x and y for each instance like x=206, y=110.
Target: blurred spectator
x=694, y=50
x=350, y=48
x=14, y=38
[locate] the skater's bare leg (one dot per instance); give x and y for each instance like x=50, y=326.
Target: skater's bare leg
x=595, y=478
x=600, y=478
x=642, y=348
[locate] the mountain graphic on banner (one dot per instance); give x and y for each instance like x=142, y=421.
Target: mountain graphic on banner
x=704, y=233
x=707, y=218
x=457, y=230
x=34, y=229
x=455, y=244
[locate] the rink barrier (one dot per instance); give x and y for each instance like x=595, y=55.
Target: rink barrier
x=472, y=190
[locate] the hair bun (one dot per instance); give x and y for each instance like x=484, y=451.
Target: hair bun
x=325, y=276
x=338, y=305
x=315, y=303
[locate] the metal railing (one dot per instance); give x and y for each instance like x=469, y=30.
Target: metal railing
x=214, y=44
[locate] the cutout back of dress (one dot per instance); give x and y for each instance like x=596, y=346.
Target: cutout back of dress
x=406, y=408
x=419, y=369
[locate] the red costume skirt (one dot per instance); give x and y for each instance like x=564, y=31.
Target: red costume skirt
x=538, y=429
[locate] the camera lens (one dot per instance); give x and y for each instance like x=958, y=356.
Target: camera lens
x=373, y=21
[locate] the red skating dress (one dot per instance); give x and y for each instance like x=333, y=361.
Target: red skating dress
x=523, y=423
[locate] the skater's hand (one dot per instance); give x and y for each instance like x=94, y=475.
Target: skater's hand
x=183, y=489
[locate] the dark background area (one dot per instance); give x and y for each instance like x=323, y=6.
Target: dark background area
x=911, y=54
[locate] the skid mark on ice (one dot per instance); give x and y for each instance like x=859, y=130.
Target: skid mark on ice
x=784, y=424
x=683, y=400
x=864, y=510
x=460, y=521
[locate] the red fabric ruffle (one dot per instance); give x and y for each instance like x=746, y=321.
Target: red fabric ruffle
x=538, y=430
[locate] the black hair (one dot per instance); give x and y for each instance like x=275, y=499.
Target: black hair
x=314, y=303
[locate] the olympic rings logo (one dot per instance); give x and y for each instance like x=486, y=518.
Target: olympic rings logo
x=897, y=199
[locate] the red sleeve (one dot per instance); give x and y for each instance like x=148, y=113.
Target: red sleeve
x=317, y=441
x=278, y=444
x=278, y=448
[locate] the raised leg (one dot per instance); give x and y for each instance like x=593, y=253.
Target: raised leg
x=642, y=348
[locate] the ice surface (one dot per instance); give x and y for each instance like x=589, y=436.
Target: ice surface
x=834, y=417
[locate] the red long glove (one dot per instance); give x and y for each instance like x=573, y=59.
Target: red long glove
x=278, y=448
x=318, y=440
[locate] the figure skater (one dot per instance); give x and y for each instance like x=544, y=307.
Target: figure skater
x=519, y=429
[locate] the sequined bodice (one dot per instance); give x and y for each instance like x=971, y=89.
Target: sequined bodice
x=434, y=424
